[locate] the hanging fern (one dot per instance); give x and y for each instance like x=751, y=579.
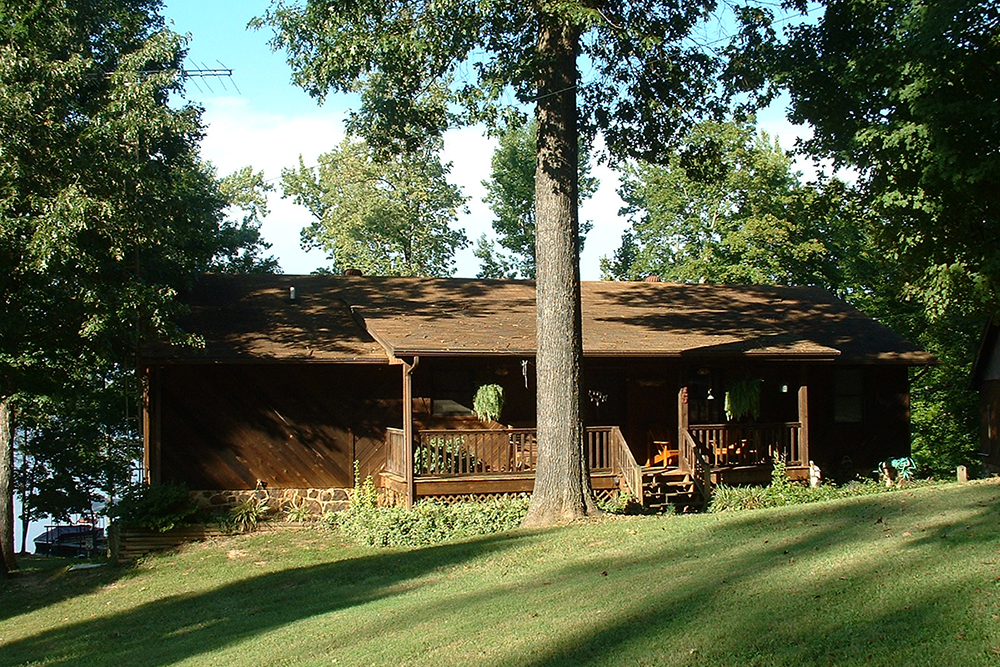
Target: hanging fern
x=488, y=402
x=743, y=398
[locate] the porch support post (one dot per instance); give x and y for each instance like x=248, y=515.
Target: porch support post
x=804, y=419
x=682, y=426
x=151, y=425
x=408, y=429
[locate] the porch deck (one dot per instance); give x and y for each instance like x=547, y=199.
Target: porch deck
x=483, y=462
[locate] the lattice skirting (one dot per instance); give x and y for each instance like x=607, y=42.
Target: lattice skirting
x=602, y=495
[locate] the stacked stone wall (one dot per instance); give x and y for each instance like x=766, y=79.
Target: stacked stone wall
x=317, y=502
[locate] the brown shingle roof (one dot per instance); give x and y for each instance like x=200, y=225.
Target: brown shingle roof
x=252, y=317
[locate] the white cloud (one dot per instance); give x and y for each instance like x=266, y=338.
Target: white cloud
x=238, y=135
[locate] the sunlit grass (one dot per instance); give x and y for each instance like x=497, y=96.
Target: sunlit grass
x=910, y=578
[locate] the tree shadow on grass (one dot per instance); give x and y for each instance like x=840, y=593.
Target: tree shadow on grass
x=42, y=581
x=172, y=629
x=818, y=584
x=857, y=611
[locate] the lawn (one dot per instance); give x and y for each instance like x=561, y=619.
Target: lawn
x=908, y=578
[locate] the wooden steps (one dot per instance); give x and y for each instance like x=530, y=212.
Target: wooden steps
x=667, y=488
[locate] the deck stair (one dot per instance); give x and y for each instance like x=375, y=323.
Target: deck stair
x=666, y=488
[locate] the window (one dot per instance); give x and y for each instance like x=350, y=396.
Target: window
x=452, y=392
x=848, y=399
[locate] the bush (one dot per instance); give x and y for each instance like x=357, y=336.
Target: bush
x=429, y=522
x=156, y=507
x=782, y=491
x=245, y=515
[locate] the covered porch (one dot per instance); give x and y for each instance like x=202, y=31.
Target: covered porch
x=476, y=463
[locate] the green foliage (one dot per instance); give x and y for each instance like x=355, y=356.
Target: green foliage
x=623, y=503
x=299, y=512
x=729, y=208
x=488, y=402
x=428, y=522
x=384, y=215
x=782, y=491
x=364, y=495
x=74, y=451
x=904, y=93
x=743, y=399
x=443, y=456
x=421, y=67
x=510, y=194
x=156, y=507
x=106, y=208
x=248, y=513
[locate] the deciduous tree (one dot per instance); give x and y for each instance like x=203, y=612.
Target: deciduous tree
x=905, y=92
x=510, y=194
x=649, y=77
x=106, y=208
x=387, y=215
x=729, y=207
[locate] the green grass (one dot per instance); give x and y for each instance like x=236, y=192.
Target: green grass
x=908, y=578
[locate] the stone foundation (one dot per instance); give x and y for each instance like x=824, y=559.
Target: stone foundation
x=316, y=501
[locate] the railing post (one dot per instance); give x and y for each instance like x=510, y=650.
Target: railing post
x=408, y=429
x=803, y=453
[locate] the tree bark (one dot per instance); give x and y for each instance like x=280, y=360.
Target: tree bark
x=7, y=486
x=562, y=483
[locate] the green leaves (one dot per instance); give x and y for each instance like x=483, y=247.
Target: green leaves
x=510, y=194
x=730, y=209
x=384, y=215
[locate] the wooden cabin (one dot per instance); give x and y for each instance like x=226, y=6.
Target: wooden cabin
x=300, y=376
x=986, y=378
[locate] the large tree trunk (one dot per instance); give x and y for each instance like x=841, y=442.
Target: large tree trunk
x=7, y=486
x=562, y=483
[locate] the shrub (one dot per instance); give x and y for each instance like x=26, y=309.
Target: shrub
x=299, y=512
x=782, y=491
x=156, y=507
x=429, y=522
x=247, y=514
x=364, y=494
x=623, y=503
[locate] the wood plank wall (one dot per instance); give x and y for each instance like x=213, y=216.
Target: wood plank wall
x=226, y=426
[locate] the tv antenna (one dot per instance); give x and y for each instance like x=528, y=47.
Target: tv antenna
x=205, y=73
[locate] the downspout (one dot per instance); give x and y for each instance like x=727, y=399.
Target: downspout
x=408, y=428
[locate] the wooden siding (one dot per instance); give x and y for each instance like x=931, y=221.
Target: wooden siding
x=989, y=396
x=226, y=426
x=843, y=449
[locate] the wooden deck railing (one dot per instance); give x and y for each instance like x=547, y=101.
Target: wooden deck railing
x=693, y=459
x=395, y=456
x=726, y=445
x=461, y=453
x=624, y=464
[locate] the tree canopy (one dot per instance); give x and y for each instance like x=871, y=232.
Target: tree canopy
x=729, y=207
x=510, y=194
x=106, y=208
x=421, y=66
x=388, y=215
x=906, y=93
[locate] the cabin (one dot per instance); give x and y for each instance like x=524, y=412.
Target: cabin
x=986, y=378
x=294, y=380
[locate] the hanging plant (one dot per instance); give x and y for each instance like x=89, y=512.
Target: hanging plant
x=488, y=402
x=743, y=398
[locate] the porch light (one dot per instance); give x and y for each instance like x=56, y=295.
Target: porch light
x=710, y=397
x=784, y=389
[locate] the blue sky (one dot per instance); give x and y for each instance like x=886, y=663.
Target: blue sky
x=261, y=119
x=269, y=122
